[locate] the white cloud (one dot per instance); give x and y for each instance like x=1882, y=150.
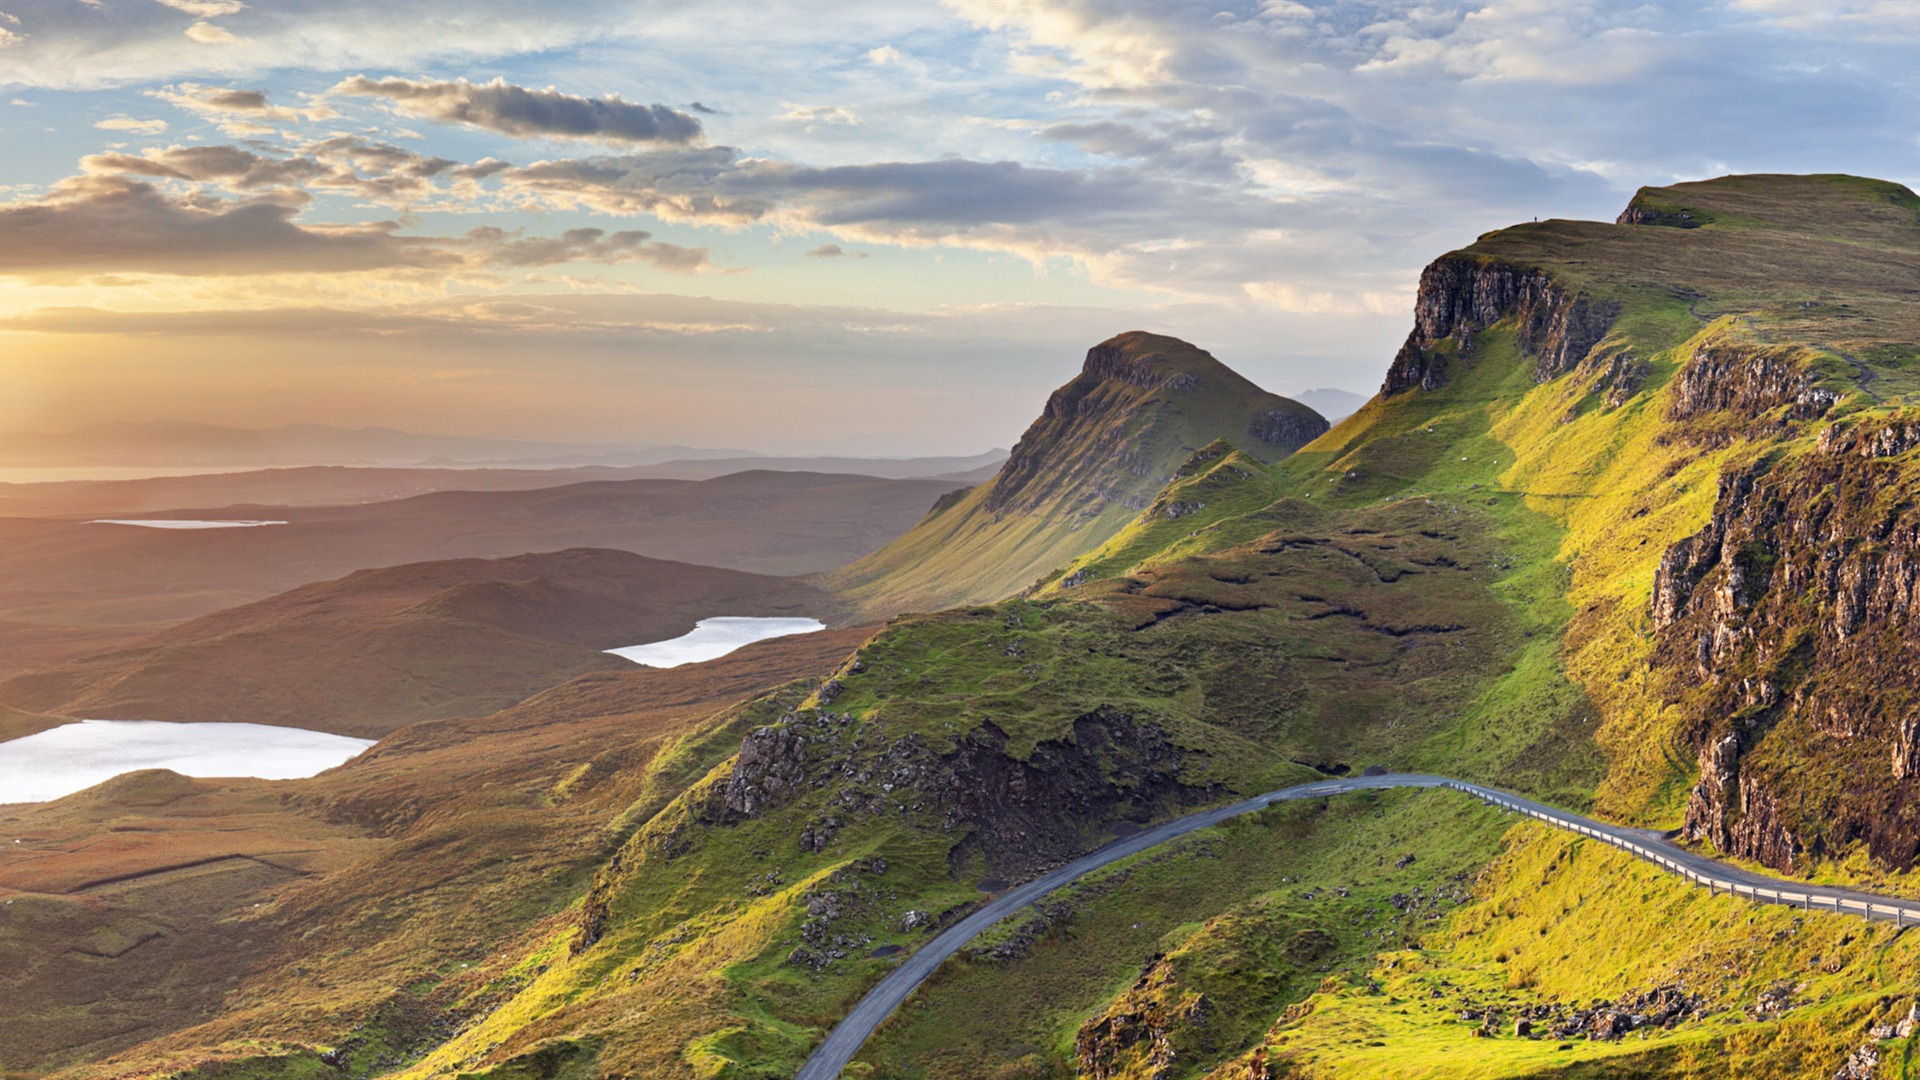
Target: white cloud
x=206, y=9
x=127, y=123
x=885, y=54
x=818, y=116
x=1314, y=300
x=207, y=33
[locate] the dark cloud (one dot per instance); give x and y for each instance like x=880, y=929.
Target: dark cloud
x=834, y=251
x=106, y=224
x=686, y=184
x=109, y=223
x=347, y=163
x=515, y=110
x=587, y=245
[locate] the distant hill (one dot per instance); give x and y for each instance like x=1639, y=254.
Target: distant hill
x=378, y=649
x=69, y=588
x=334, y=485
x=1105, y=445
x=1335, y=405
x=180, y=443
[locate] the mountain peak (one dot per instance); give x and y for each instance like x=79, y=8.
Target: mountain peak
x=1153, y=362
x=1105, y=445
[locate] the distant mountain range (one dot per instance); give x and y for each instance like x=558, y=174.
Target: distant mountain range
x=179, y=443
x=1335, y=405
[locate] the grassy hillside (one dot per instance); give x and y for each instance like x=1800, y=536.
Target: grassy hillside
x=155, y=924
x=1106, y=444
x=376, y=650
x=1636, y=500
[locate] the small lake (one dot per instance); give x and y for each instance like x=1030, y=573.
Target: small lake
x=713, y=638
x=182, y=523
x=73, y=757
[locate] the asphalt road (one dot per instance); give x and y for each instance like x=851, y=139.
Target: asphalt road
x=846, y=1038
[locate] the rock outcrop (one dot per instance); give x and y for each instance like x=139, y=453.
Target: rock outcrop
x=1758, y=389
x=1020, y=813
x=1781, y=624
x=1461, y=295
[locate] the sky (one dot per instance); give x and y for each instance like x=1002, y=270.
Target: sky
x=863, y=228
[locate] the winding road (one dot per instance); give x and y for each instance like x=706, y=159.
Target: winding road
x=846, y=1038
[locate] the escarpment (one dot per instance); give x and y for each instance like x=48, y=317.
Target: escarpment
x=1787, y=622
x=1462, y=294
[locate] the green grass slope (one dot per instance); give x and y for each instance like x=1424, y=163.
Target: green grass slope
x=1106, y=444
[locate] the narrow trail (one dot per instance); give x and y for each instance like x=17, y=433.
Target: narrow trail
x=846, y=1038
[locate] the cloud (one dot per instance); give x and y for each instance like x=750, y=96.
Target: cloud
x=522, y=113
x=207, y=33
x=818, y=116
x=247, y=109
x=114, y=224
x=1318, y=300
x=206, y=9
x=375, y=171
x=110, y=222
x=885, y=54
x=127, y=123
x=503, y=248
x=834, y=251
x=675, y=185
x=68, y=46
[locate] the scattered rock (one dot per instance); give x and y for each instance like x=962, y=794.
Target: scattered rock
x=1861, y=1064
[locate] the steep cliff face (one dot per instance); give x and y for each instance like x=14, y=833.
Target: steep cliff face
x=1461, y=294
x=1791, y=612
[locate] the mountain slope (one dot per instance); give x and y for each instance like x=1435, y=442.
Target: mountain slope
x=376, y=650
x=1105, y=445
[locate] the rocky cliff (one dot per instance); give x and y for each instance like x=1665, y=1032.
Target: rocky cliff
x=1461, y=294
x=1787, y=622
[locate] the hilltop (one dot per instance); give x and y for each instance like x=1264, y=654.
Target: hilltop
x=1098, y=454
x=371, y=652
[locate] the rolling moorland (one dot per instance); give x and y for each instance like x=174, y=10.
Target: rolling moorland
x=372, y=652
x=1629, y=529
x=71, y=589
